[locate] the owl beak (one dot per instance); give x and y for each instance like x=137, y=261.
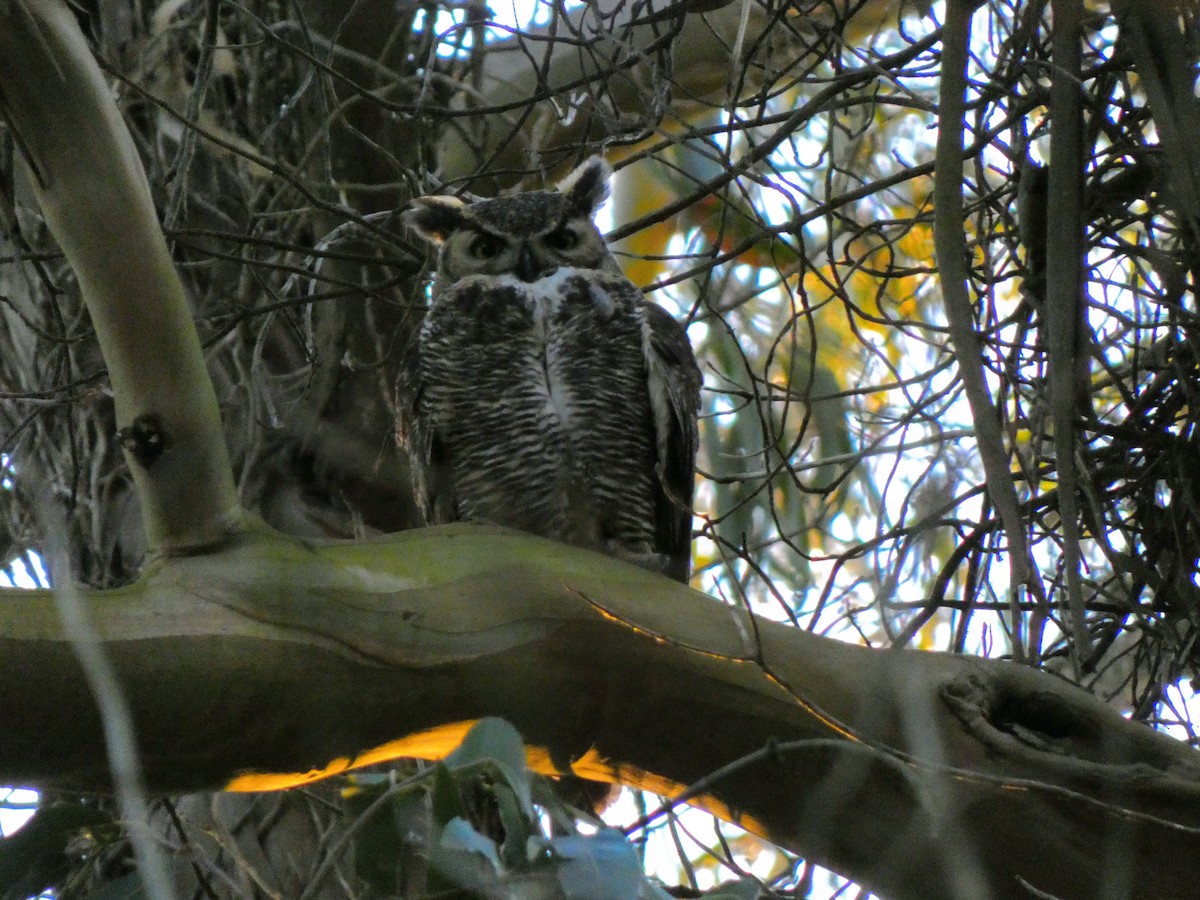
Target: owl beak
x=527, y=268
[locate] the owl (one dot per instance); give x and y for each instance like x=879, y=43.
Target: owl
x=544, y=392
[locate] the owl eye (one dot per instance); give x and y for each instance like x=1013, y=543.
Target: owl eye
x=565, y=238
x=485, y=247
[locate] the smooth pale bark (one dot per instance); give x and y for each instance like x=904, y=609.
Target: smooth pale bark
x=93, y=192
x=916, y=774
x=520, y=76
x=527, y=83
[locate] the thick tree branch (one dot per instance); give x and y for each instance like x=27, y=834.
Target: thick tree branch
x=92, y=188
x=907, y=771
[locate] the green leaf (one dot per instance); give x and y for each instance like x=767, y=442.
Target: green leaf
x=545, y=795
x=494, y=741
x=381, y=842
x=375, y=841
x=466, y=858
x=517, y=828
x=458, y=835
x=596, y=867
x=446, y=799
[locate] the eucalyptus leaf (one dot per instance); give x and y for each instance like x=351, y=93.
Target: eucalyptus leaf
x=495, y=741
x=382, y=843
x=517, y=827
x=596, y=867
x=446, y=797
x=458, y=835
x=466, y=858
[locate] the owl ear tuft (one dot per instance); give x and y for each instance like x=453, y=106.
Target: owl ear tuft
x=587, y=187
x=435, y=217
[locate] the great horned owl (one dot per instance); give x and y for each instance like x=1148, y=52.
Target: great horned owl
x=544, y=392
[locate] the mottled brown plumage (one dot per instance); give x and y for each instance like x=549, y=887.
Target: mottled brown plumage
x=544, y=392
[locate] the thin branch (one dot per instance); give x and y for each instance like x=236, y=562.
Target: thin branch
x=1065, y=309
x=950, y=243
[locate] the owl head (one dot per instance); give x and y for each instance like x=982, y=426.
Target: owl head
x=527, y=235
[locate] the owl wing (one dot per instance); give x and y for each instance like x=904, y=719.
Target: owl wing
x=432, y=474
x=674, y=383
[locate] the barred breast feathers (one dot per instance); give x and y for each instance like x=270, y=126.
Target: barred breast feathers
x=543, y=391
